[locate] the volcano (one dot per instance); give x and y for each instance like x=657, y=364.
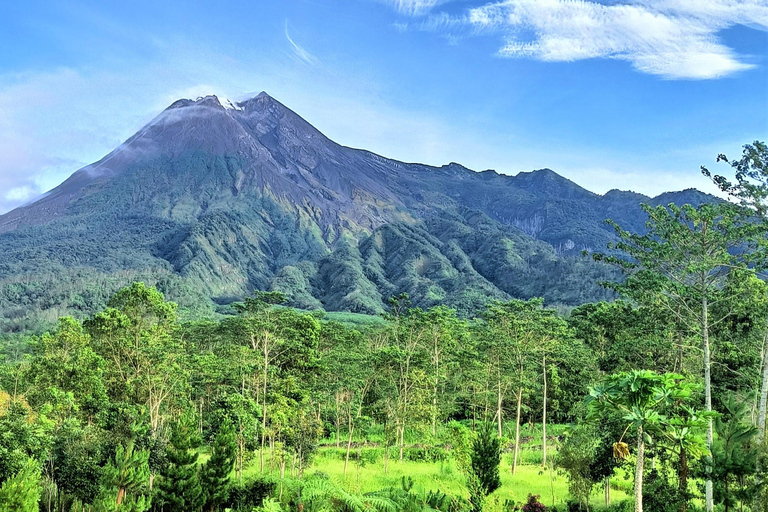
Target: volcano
x=212, y=200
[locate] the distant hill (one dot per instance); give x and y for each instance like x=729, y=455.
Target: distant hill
x=213, y=200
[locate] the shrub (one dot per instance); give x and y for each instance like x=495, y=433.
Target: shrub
x=247, y=495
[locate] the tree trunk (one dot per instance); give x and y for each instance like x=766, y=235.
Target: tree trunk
x=264, y=404
x=517, y=428
x=498, y=405
x=709, y=501
x=434, y=391
x=402, y=440
x=639, y=470
x=349, y=446
x=544, y=417
x=240, y=454
x=682, y=477
x=761, y=420
x=338, y=424
x=607, y=488
x=271, y=453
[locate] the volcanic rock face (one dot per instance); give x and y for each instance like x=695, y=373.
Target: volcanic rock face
x=212, y=200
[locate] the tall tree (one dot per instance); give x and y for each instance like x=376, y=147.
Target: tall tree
x=65, y=361
x=682, y=263
x=520, y=332
x=180, y=489
x=215, y=474
x=404, y=362
x=136, y=335
x=749, y=186
x=285, y=340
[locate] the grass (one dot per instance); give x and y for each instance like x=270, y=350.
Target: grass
x=530, y=478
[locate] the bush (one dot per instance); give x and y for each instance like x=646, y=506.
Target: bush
x=247, y=495
x=425, y=454
x=623, y=506
x=531, y=505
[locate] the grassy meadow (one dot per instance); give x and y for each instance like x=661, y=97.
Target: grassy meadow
x=438, y=471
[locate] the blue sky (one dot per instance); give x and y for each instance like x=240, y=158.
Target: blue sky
x=632, y=94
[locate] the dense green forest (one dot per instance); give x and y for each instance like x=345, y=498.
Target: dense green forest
x=655, y=401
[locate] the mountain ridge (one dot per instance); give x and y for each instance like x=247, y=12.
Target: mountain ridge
x=215, y=201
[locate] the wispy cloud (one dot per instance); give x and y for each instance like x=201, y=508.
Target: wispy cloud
x=298, y=51
x=414, y=7
x=675, y=39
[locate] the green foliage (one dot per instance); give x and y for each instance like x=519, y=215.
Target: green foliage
x=23, y=435
x=179, y=487
x=319, y=493
x=576, y=456
x=124, y=482
x=215, y=474
x=78, y=453
x=245, y=496
x=660, y=494
x=734, y=455
x=486, y=458
x=21, y=492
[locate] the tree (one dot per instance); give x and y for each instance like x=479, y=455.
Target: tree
x=519, y=332
x=23, y=435
x=135, y=334
x=750, y=188
x=485, y=460
x=66, y=361
x=125, y=480
x=403, y=363
x=180, y=488
x=641, y=396
x=683, y=436
x=21, y=492
x=682, y=263
x=215, y=474
x=75, y=463
x=444, y=332
x=286, y=341
x=734, y=455
x=575, y=456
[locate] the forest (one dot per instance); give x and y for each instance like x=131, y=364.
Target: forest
x=655, y=401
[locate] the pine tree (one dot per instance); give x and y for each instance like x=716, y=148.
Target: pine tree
x=215, y=475
x=179, y=488
x=486, y=457
x=21, y=492
x=125, y=482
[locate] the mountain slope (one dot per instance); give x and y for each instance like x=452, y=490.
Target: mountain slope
x=210, y=201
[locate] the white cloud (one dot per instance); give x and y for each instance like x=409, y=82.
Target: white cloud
x=414, y=7
x=20, y=193
x=298, y=51
x=675, y=39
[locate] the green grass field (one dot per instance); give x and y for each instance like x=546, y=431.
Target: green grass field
x=530, y=478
